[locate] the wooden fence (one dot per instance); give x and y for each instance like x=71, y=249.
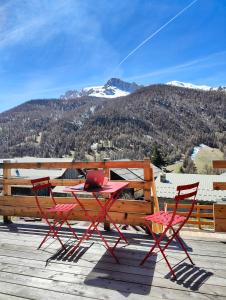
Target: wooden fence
x=202, y=214
x=219, y=208
x=124, y=211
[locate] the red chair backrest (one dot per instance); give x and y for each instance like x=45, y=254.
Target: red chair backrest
x=192, y=188
x=41, y=184
x=188, y=191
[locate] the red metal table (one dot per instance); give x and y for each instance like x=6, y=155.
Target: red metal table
x=112, y=190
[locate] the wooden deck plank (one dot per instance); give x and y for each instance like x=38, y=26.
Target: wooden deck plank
x=195, y=248
x=146, y=270
x=10, y=297
x=219, y=251
x=79, y=276
x=95, y=275
x=196, y=254
x=104, y=289
x=17, y=291
x=130, y=252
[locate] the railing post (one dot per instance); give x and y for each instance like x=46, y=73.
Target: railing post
x=6, y=188
x=198, y=216
x=150, y=186
x=107, y=174
x=147, y=178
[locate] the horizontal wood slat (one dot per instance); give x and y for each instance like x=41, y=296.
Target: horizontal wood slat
x=121, y=205
x=197, y=216
x=196, y=222
x=219, y=185
x=66, y=182
x=118, y=217
x=201, y=206
x=219, y=164
x=75, y=165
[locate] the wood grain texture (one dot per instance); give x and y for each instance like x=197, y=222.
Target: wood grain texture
x=92, y=274
x=219, y=164
x=219, y=185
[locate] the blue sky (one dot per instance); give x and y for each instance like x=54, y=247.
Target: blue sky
x=49, y=46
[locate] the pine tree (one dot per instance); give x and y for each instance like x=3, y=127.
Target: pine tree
x=157, y=158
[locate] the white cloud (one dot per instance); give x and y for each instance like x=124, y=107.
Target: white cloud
x=214, y=59
x=31, y=23
x=37, y=21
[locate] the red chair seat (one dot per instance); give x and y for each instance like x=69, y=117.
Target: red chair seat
x=62, y=207
x=164, y=218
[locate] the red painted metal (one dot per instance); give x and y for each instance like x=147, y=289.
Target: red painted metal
x=112, y=189
x=170, y=219
x=60, y=212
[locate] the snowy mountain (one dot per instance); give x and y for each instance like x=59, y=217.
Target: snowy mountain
x=113, y=88
x=194, y=86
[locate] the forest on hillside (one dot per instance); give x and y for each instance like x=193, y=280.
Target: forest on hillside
x=173, y=119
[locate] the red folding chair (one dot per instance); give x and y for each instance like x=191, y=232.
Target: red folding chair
x=59, y=212
x=169, y=220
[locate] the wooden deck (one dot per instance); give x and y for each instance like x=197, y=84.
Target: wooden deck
x=91, y=273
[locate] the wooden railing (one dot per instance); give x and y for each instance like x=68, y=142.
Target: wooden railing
x=219, y=164
x=219, y=208
x=202, y=214
x=124, y=211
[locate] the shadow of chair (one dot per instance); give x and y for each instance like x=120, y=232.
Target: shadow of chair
x=189, y=276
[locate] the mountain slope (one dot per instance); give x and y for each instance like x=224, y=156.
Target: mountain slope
x=175, y=118
x=194, y=86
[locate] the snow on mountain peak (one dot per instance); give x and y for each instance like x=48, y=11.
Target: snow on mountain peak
x=114, y=87
x=190, y=85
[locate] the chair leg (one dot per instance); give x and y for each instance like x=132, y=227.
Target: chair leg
x=182, y=245
x=52, y=228
x=44, y=239
x=157, y=243
x=72, y=230
x=152, y=248
x=64, y=219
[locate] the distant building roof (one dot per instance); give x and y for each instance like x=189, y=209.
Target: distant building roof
x=167, y=189
x=135, y=174
x=35, y=173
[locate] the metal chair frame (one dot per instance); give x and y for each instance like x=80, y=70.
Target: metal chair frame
x=169, y=219
x=61, y=211
x=95, y=221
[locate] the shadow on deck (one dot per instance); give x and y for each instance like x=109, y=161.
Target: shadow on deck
x=93, y=274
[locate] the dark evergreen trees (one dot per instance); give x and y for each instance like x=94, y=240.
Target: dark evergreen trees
x=156, y=157
x=175, y=119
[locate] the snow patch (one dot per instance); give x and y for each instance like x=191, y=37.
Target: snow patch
x=94, y=146
x=191, y=86
x=101, y=91
x=197, y=149
x=92, y=109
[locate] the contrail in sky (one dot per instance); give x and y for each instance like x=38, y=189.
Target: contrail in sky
x=157, y=31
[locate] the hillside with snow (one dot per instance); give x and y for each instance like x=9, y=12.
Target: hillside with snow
x=113, y=88
x=194, y=86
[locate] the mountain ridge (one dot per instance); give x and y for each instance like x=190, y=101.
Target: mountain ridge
x=194, y=86
x=114, y=87
x=174, y=118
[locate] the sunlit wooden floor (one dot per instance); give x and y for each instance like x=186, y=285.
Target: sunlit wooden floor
x=91, y=273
